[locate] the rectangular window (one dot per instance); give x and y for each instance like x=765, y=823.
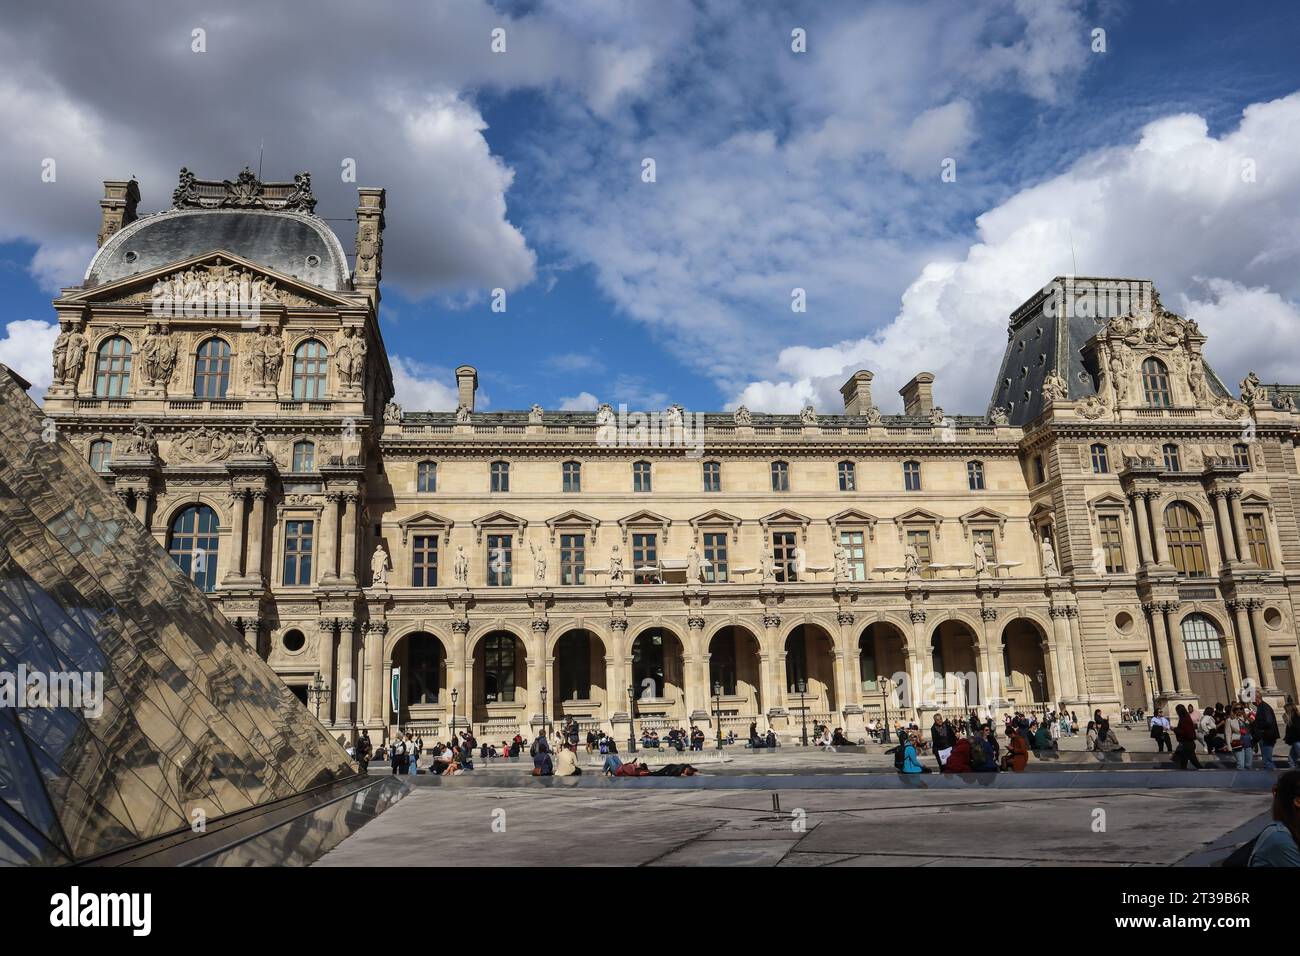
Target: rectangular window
x=645, y=559
x=785, y=556
x=985, y=537
x=780, y=476
x=573, y=558
x=1257, y=538
x=854, y=542
x=715, y=552
x=712, y=476
x=426, y=479
x=1100, y=460
x=641, y=476
x=500, y=561
x=848, y=476
x=500, y=476
x=975, y=475
x=424, y=561
x=1172, y=460
x=919, y=541
x=297, y=553
x=911, y=476
x=1112, y=543
x=1040, y=472
x=572, y=476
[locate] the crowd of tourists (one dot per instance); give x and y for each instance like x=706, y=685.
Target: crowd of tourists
x=1242, y=730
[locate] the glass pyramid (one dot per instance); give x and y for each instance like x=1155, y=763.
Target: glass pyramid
x=188, y=718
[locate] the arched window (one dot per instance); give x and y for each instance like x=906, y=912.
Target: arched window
x=641, y=476
x=1100, y=460
x=848, y=476
x=426, y=476
x=101, y=455
x=975, y=475
x=1186, y=540
x=113, y=368
x=304, y=456
x=212, y=369
x=571, y=476
x=499, y=668
x=780, y=476
x=500, y=475
x=192, y=543
x=911, y=476
x=1155, y=383
x=310, y=368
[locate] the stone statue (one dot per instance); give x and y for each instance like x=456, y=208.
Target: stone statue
x=539, y=563
x=615, y=565
x=69, y=354
x=841, y=563
x=694, y=567
x=141, y=442
x=1049, y=560
x=535, y=415
x=393, y=413
x=350, y=358
x=379, y=568
x=1251, y=391
x=911, y=562
x=252, y=443
x=767, y=568
x=267, y=357
x=743, y=416
x=1055, y=388
x=981, y=559
x=604, y=416
x=998, y=416
x=158, y=355
x=463, y=415
x=872, y=415
x=357, y=378
x=673, y=416
x=461, y=568
x=808, y=415
x=936, y=416
x=1118, y=377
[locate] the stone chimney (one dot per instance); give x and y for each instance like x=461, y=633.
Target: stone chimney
x=370, y=240
x=857, y=393
x=466, y=385
x=918, y=394
x=117, y=208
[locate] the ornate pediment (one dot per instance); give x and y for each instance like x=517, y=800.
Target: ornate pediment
x=201, y=446
x=498, y=520
x=1124, y=343
x=245, y=191
x=424, y=520
x=573, y=519
x=918, y=516
x=852, y=517
x=983, y=516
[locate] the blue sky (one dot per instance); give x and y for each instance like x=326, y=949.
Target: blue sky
x=775, y=170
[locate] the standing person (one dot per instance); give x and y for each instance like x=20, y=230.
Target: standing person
x=1278, y=844
x=1292, y=717
x=363, y=752
x=1160, y=732
x=1264, y=729
x=941, y=739
x=1238, y=736
x=1185, y=732
x=397, y=755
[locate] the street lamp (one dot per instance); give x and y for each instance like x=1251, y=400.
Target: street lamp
x=631, y=719
x=717, y=709
x=1042, y=692
x=884, y=704
x=454, y=695
x=803, y=711
x=544, y=714
x=318, y=692
x=1151, y=679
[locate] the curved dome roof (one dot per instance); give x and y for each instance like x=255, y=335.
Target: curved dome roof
x=291, y=243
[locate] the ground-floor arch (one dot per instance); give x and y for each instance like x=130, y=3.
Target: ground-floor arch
x=420, y=661
x=953, y=679
x=658, y=676
x=500, y=677
x=810, y=672
x=578, y=676
x=1026, y=677
x=735, y=678
x=1207, y=667
x=882, y=652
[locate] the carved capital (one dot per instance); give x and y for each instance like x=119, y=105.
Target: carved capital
x=772, y=620
x=327, y=625
x=695, y=623
x=375, y=627
x=459, y=626
x=844, y=617
x=541, y=625
x=917, y=615
x=988, y=613
x=618, y=624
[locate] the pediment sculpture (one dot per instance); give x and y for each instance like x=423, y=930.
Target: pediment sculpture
x=202, y=445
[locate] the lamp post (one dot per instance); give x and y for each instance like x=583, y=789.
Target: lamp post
x=1042, y=692
x=884, y=704
x=631, y=719
x=454, y=695
x=544, y=713
x=1151, y=679
x=318, y=692
x=717, y=709
x=803, y=711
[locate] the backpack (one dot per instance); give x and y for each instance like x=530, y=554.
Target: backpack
x=898, y=757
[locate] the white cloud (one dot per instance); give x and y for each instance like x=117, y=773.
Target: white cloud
x=582, y=402
x=420, y=387
x=1173, y=207
x=27, y=347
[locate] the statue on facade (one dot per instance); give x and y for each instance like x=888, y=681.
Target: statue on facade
x=981, y=559
x=463, y=415
x=673, y=416
x=69, y=353
x=350, y=358
x=694, y=566
x=1196, y=379
x=252, y=443
x=393, y=413
x=539, y=563
x=460, y=570
x=615, y=565
x=911, y=562
x=535, y=415
x=266, y=358
x=141, y=441
x=1055, y=388
x=743, y=416
x=808, y=415
x=1049, y=560
x=1251, y=390
x=767, y=568
x=841, y=563
x=998, y=416
x=158, y=355
x=379, y=568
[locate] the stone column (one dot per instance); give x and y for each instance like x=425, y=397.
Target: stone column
x=539, y=667
x=329, y=540
x=375, y=691
x=1142, y=518
x=237, y=523
x=991, y=679
x=1231, y=548
x=1239, y=529
x=918, y=655
x=348, y=575
x=460, y=671
x=613, y=692
x=1179, y=651
x=1255, y=606
x=1160, y=642
x=250, y=630
x=775, y=669
x=1240, y=609
x=346, y=690
x=848, y=666
x=326, y=664
x=695, y=670
x=144, y=508
x=615, y=671
x=256, y=524
x=1158, y=525
x=1081, y=688
x=1062, y=660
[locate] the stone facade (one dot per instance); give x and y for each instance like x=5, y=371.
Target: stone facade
x=1115, y=528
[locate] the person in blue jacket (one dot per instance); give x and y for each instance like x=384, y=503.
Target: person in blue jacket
x=910, y=763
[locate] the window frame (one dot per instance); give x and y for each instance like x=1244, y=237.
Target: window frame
x=1155, y=383
x=912, y=475
x=1100, y=454
x=310, y=371
x=424, y=572
x=712, y=469
x=847, y=470
x=499, y=477
x=298, y=558
x=571, y=477
x=503, y=577
x=975, y=475
x=642, y=477
x=426, y=477
x=779, y=471
x=113, y=367
x=208, y=368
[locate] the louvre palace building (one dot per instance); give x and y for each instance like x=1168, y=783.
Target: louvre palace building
x=1118, y=528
